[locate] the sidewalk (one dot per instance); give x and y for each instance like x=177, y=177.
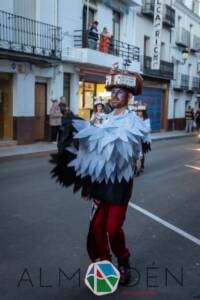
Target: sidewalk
x=45, y=148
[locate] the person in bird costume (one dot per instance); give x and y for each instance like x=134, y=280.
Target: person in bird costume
x=100, y=159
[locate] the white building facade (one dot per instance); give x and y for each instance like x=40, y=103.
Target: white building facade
x=44, y=55
x=185, y=88
x=30, y=68
x=156, y=82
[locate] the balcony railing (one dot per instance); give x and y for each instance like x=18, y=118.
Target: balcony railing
x=169, y=16
x=165, y=72
x=111, y=46
x=184, y=82
x=187, y=83
x=183, y=37
x=25, y=35
x=148, y=8
x=168, y=12
x=195, y=42
x=196, y=84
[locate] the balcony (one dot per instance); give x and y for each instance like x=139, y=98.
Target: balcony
x=183, y=37
x=168, y=12
x=169, y=16
x=165, y=71
x=148, y=8
x=195, y=43
x=184, y=82
x=89, y=51
x=196, y=84
x=177, y=83
x=27, y=37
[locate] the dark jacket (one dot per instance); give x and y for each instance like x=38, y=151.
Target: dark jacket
x=189, y=115
x=93, y=33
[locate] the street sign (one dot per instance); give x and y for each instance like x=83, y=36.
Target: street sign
x=157, y=33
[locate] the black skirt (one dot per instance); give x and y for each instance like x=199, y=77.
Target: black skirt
x=146, y=147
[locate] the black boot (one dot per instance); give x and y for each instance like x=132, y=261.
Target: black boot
x=125, y=271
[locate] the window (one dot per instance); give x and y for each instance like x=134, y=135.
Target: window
x=162, y=51
x=146, y=45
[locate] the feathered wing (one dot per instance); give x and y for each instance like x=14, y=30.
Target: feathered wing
x=107, y=152
x=64, y=174
x=91, y=156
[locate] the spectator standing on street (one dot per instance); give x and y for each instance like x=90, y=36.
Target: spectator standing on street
x=55, y=117
x=108, y=108
x=189, y=117
x=62, y=104
x=98, y=114
x=146, y=140
x=104, y=40
x=197, y=119
x=93, y=36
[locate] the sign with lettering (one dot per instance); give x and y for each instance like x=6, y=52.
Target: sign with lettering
x=157, y=33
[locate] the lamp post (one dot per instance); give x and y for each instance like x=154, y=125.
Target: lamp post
x=185, y=54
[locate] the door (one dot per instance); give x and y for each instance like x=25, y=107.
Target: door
x=6, y=119
x=153, y=98
x=87, y=19
x=116, y=25
x=40, y=110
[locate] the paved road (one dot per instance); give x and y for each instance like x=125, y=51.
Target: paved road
x=43, y=229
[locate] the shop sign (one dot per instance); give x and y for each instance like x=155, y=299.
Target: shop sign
x=157, y=34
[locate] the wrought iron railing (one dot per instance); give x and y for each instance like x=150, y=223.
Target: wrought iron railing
x=166, y=70
x=148, y=7
x=169, y=16
x=196, y=84
x=195, y=43
x=29, y=36
x=184, y=82
x=83, y=39
x=183, y=37
x=168, y=12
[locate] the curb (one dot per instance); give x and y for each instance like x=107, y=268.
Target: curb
x=26, y=155
x=172, y=137
x=48, y=152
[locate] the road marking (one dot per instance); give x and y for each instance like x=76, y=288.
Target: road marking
x=166, y=224
x=193, y=167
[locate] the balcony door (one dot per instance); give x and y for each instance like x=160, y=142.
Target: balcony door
x=40, y=111
x=87, y=22
x=116, y=25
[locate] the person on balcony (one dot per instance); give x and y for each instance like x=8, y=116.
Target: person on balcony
x=111, y=49
x=93, y=36
x=104, y=40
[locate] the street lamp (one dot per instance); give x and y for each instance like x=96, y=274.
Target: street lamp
x=185, y=54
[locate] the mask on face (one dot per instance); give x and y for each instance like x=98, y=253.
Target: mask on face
x=116, y=93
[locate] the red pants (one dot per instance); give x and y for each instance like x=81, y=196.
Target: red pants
x=108, y=233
